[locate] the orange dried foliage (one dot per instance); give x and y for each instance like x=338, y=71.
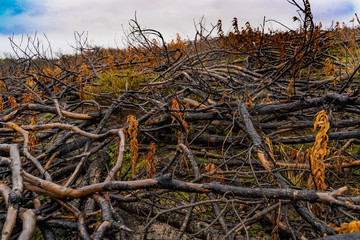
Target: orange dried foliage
x=223, y=96
x=150, y=161
x=177, y=45
x=2, y=86
x=132, y=133
x=36, y=90
x=267, y=99
x=110, y=60
x=140, y=57
x=318, y=152
x=84, y=74
x=56, y=90
x=1, y=104
x=12, y=102
x=351, y=227
x=215, y=177
x=339, y=159
x=290, y=88
x=248, y=101
x=33, y=120
x=28, y=98
x=175, y=105
x=31, y=144
x=47, y=71
x=32, y=138
x=330, y=69
x=288, y=154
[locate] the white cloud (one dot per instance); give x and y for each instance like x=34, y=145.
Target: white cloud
x=103, y=20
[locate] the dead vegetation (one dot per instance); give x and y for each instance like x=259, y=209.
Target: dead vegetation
x=251, y=134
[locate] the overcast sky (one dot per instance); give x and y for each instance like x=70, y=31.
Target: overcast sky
x=106, y=20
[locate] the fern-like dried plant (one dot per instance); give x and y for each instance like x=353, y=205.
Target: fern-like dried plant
x=82, y=80
x=175, y=105
x=220, y=31
x=132, y=132
x=150, y=161
x=12, y=102
x=235, y=25
x=318, y=152
x=32, y=138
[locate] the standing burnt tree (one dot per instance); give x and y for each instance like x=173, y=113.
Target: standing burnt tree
x=249, y=134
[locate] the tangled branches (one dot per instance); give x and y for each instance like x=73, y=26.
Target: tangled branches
x=211, y=139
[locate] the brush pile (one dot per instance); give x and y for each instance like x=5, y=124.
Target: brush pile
x=250, y=134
